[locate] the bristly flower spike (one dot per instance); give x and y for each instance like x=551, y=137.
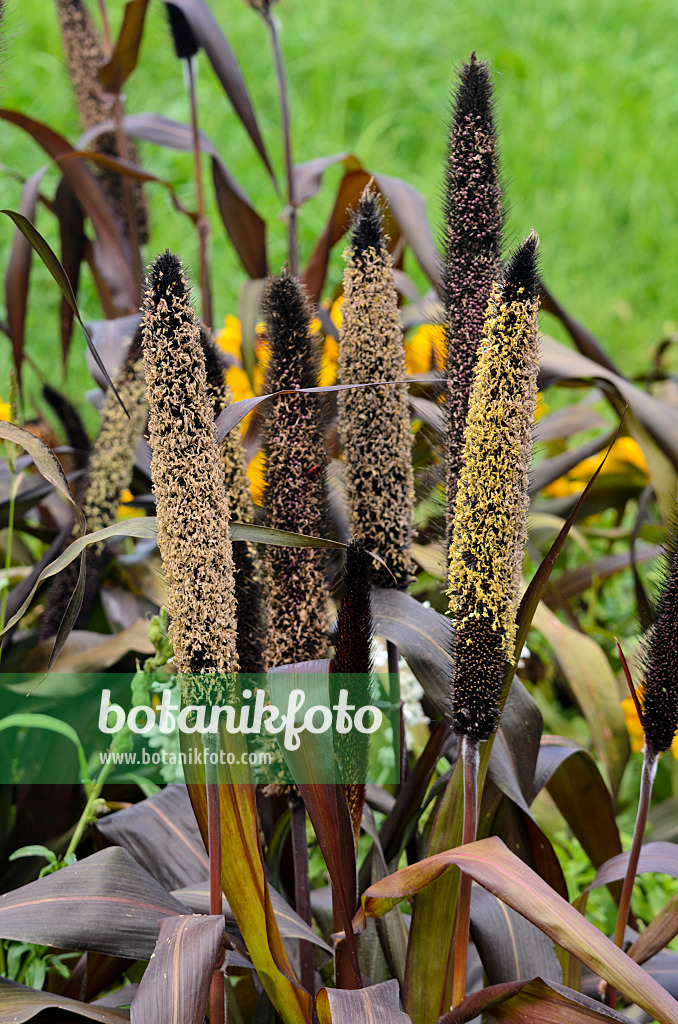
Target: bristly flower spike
x=109, y=471
x=491, y=504
x=295, y=591
x=658, y=714
x=351, y=669
x=185, y=44
x=660, y=689
x=188, y=483
x=238, y=495
x=374, y=422
x=488, y=534
x=473, y=225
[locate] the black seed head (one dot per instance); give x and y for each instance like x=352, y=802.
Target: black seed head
x=660, y=700
x=185, y=43
x=368, y=231
x=520, y=275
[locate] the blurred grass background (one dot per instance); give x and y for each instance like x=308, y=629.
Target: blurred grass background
x=587, y=102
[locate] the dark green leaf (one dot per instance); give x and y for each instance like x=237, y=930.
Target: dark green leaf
x=594, y=687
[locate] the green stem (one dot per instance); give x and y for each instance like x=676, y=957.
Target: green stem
x=88, y=813
x=21, y=976
x=646, y=781
x=468, y=752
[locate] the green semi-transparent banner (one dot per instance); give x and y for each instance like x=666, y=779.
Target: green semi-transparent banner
x=294, y=725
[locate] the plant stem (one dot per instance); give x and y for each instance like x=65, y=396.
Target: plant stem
x=650, y=761
x=202, y=225
x=393, y=656
x=468, y=751
x=87, y=814
x=287, y=143
x=130, y=211
x=302, y=887
x=16, y=481
x=211, y=743
x=108, y=45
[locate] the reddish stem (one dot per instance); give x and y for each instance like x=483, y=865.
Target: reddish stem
x=287, y=143
x=202, y=226
x=646, y=780
x=629, y=682
x=468, y=751
x=217, y=1008
x=302, y=887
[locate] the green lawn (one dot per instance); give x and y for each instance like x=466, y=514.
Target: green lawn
x=587, y=98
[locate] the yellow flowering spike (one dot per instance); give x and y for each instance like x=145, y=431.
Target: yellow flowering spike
x=491, y=503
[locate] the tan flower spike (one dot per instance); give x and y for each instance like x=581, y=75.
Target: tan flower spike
x=374, y=422
x=188, y=483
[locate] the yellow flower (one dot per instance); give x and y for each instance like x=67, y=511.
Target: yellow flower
x=124, y=512
x=336, y=316
x=425, y=349
x=635, y=729
x=5, y=411
x=255, y=474
x=239, y=383
x=229, y=338
x=626, y=455
x=329, y=362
